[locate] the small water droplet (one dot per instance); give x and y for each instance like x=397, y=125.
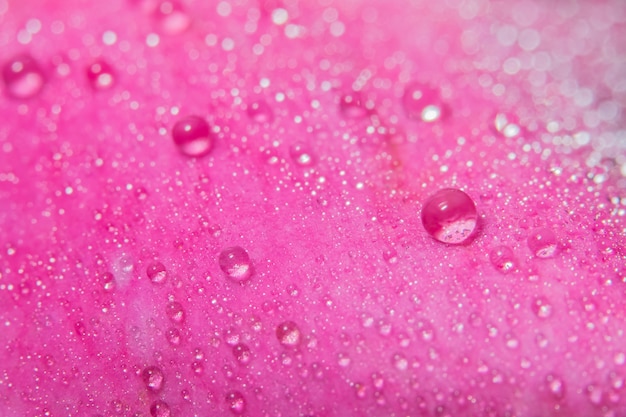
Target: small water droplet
x=450, y=216
x=288, y=334
x=242, y=353
x=543, y=243
x=192, y=135
x=23, y=77
x=542, y=308
x=301, y=154
x=502, y=258
x=100, y=75
x=594, y=393
x=172, y=17
x=236, y=402
x=160, y=409
x=173, y=336
x=556, y=386
x=422, y=102
x=197, y=367
x=505, y=126
x=235, y=263
x=175, y=312
x=354, y=106
x=260, y=112
x=400, y=362
x=390, y=255
x=153, y=378
x=156, y=273
x=108, y=281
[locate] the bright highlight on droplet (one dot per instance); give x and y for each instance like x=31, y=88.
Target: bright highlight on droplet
x=422, y=102
x=450, y=216
x=235, y=263
x=288, y=334
x=193, y=137
x=100, y=75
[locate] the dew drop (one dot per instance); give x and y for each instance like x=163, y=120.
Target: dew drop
x=153, y=378
x=175, y=312
x=353, y=106
x=543, y=243
x=542, y=308
x=503, y=125
x=556, y=386
x=502, y=258
x=390, y=255
x=236, y=402
x=242, y=353
x=156, y=273
x=100, y=75
x=192, y=136
x=108, y=281
x=23, y=77
x=301, y=154
x=173, y=336
x=235, y=263
x=422, y=102
x=450, y=216
x=260, y=112
x=172, y=17
x=160, y=409
x=288, y=334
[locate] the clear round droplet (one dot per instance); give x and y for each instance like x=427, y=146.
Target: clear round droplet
x=543, y=243
x=556, y=386
x=422, y=102
x=160, y=409
x=288, y=334
x=108, y=281
x=173, y=336
x=23, y=77
x=175, y=312
x=153, y=378
x=235, y=263
x=502, y=259
x=260, y=112
x=156, y=273
x=541, y=307
x=242, y=353
x=192, y=135
x=450, y=216
x=100, y=75
x=354, y=106
x=301, y=154
x=504, y=125
x=236, y=402
x=172, y=18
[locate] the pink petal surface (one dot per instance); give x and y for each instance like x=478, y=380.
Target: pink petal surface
x=331, y=125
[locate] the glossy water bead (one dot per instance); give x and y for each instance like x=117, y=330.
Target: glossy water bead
x=422, y=102
x=23, y=77
x=450, y=216
x=192, y=135
x=235, y=263
x=100, y=75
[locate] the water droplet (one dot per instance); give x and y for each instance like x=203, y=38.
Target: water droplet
x=175, y=312
x=236, y=402
x=390, y=255
x=156, y=273
x=502, y=258
x=192, y=135
x=23, y=77
x=288, y=334
x=173, y=336
x=422, y=102
x=543, y=243
x=260, y=112
x=542, y=308
x=108, y=281
x=242, y=353
x=301, y=154
x=450, y=216
x=353, y=106
x=160, y=409
x=556, y=386
x=235, y=263
x=400, y=362
x=594, y=393
x=172, y=17
x=505, y=126
x=100, y=75
x=153, y=378
x=197, y=367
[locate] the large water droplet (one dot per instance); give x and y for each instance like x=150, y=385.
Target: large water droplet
x=260, y=112
x=175, y=312
x=288, y=334
x=153, y=378
x=236, y=402
x=156, y=272
x=422, y=102
x=100, y=75
x=502, y=258
x=192, y=136
x=450, y=216
x=543, y=243
x=160, y=409
x=172, y=17
x=301, y=154
x=242, y=353
x=23, y=77
x=235, y=263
